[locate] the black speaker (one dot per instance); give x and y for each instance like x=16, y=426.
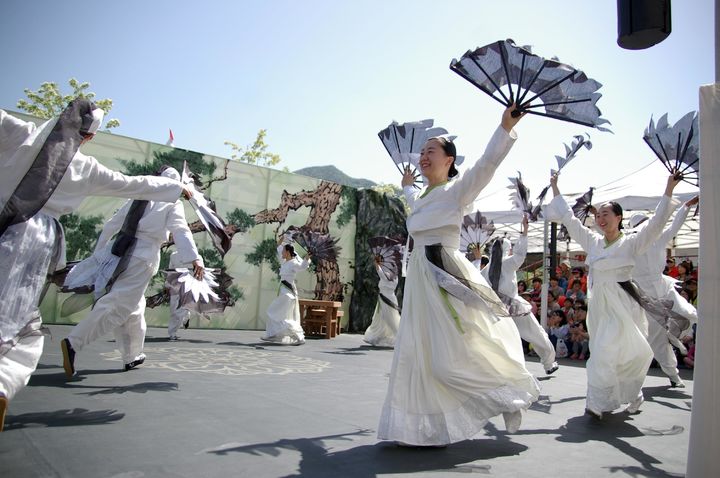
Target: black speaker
x=642, y=23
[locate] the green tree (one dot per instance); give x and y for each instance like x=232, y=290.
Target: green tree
x=81, y=233
x=174, y=157
x=265, y=251
x=48, y=101
x=256, y=153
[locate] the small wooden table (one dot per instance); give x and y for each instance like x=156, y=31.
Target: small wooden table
x=320, y=318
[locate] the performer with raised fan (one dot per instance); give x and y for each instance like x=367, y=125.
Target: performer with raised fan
x=505, y=260
x=648, y=273
x=458, y=362
x=619, y=351
x=283, y=323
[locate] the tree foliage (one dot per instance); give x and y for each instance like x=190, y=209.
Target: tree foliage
x=81, y=233
x=255, y=153
x=240, y=219
x=265, y=251
x=48, y=101
x=172, y=157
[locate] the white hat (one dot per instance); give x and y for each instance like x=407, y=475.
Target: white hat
x=637, y=219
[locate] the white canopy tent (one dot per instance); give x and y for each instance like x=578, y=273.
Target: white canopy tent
x=508, y=222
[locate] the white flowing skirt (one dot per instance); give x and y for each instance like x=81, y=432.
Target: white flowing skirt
x=384, y=326
x=446, y=384
x=28, y=251
x=283, y=324
x=619, y=351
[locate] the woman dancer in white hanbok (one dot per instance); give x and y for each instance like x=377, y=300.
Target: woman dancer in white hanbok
x=510, y=260
x=648, y=273
x=619, y=351
x=458, y=357
x=283, y=324
x=386, y=319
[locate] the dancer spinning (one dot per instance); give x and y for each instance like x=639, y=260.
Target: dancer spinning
x=283, y=325
x=457, y=363
x=505, y=260
x=619, y=351
x=44, y=176
x=145, y=225
x=386, y=319
x=648, y=273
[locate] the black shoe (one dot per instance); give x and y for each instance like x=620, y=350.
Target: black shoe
x=593, y=413
x=68, y=358
x=552, y=369
x=139, y=361
x=186, y=323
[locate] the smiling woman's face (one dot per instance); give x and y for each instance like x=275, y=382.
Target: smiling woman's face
x=607, y=220
x=433, y=160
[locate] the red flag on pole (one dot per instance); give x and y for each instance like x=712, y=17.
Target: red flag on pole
x=171, y=139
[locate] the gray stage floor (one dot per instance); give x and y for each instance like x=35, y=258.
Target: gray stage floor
x=224, y=404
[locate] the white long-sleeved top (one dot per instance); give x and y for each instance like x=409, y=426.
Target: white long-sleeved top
x=84, y=176
x=160, y=219
x=649, y=266
x=510, y=264
x=436, y=217
x=615, y=262
x=290, y=268
x=387, y=287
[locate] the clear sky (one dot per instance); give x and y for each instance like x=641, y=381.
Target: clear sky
x=323, y=77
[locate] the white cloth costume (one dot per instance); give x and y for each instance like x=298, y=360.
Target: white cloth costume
x=30, y=248
x=178, y=315
x=122, y=310
x=283, y=323
x=648, y=273
x=530, y=329
x=619, y=351
x=455, y=365
x=386, y=319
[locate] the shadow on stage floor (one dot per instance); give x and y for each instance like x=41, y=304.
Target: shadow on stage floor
x=611, y=430
x=63, y=418
x=367, y=461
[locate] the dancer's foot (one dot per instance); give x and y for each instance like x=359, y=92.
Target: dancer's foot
x=581, y=357
x=173, y=338
x=553, y=368
x=594, y=413
x=407, y=445
x=68, y=358
x=634, y=406
x=574, y=357
x=3, y=408
x=676, y=382
x=138, y=361
x=186, y=323
x=512, y=421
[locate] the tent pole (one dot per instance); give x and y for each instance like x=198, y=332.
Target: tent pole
x=546, y=269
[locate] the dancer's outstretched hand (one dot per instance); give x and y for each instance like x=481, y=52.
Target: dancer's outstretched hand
x=408, y=179
x=524, y=229
x=673, y=180
x=508, y=120
x=693, y=201
x=198, y=269
x=553, y=183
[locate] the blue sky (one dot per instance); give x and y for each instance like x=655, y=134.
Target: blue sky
x=323, y=77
